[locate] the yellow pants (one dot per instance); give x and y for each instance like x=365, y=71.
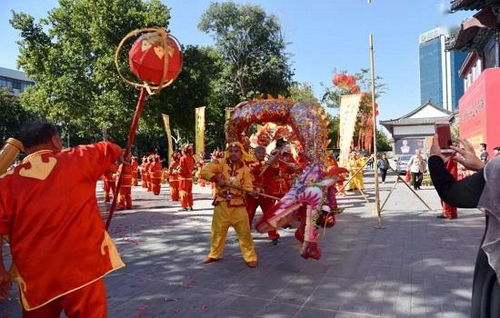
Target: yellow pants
x=356, y=182
x=237, y=217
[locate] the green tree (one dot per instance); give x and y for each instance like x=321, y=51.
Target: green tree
x=196, y=86
x=383, y=143
x=13, y=115
x=70, y=53
x=302, y=92
x=253, y=49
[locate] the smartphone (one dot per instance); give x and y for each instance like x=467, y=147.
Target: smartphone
x=443, y=132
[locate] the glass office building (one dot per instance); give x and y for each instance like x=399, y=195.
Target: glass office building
x=440, y=82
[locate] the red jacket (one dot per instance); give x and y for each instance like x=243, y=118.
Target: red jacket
x=48, y=208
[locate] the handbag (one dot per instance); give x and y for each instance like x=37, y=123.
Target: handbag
x=408, y=176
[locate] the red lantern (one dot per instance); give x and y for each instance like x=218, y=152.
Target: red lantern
x=156, y=58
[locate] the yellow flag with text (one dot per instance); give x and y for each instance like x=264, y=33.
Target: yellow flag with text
x=349, y=106
x=166, y=123
x=200, y=130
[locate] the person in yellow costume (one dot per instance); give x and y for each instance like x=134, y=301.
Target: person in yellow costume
x=354, y=164
x=229, y=203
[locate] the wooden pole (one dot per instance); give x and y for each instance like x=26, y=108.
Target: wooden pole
x=374, y=125
x=130, y=141
x=229, y=185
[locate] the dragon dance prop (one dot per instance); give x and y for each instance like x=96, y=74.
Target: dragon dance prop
x=313, y=190
x=155, y=58
x=9, y=153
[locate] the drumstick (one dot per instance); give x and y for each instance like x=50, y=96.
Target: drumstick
x=249, y=191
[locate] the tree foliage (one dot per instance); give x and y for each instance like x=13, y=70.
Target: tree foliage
x=13, y=115
x=302, y=92
x=383, y=143
x=253, y=49
x=69, y=54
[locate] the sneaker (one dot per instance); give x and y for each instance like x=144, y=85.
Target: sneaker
x=209, y=260
x=252, y=264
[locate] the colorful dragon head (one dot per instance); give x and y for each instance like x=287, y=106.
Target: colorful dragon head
x=311, y=188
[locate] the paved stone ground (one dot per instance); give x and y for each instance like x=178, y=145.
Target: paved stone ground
x=416, y=266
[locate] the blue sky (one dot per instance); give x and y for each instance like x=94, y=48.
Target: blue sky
x=324, y=36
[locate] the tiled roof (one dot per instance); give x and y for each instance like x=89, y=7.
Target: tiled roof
x=414, y=121
x=457, y=5
x=7, y=72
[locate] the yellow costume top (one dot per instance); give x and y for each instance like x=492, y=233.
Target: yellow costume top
x=237, y=174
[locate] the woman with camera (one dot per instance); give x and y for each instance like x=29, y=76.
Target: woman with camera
x=479, y=190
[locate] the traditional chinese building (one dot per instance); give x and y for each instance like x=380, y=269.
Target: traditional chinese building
x=412, y=131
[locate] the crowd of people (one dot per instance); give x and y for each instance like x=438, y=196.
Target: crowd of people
x=243, y=179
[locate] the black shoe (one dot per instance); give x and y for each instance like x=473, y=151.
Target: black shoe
x=275, y=242
x=441, y=216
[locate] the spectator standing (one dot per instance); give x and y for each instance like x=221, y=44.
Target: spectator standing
x=416, y=166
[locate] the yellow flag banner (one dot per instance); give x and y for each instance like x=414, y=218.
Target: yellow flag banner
x=199, y=125
x=227, y=116
x=166, y=123
x=349, y=106
x=229, y=111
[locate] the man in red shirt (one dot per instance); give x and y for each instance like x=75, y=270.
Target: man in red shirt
x=109, y=183
x=155, y=174
x=48, y=210
x=135, y=172
x=261, y=183
x=125, y=191
x=173, y=177
x=186, y=166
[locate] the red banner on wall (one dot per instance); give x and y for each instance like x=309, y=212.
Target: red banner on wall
x=479, y=110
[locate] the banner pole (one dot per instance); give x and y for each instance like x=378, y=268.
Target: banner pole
x=374, y=127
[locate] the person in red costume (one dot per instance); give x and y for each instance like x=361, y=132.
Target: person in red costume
x=60, y=249
x=155, y=173
x=260, y=184
x=333, y=169
x=186, y=166
x=135, y=172
x=281, y=172
x=449, y=211
x=125, y=192
x=144, y=172
x=173, y=177
x=147, y=168
x=109, y=183
x=199, y=165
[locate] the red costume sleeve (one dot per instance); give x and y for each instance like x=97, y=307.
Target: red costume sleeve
x=101, y=157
